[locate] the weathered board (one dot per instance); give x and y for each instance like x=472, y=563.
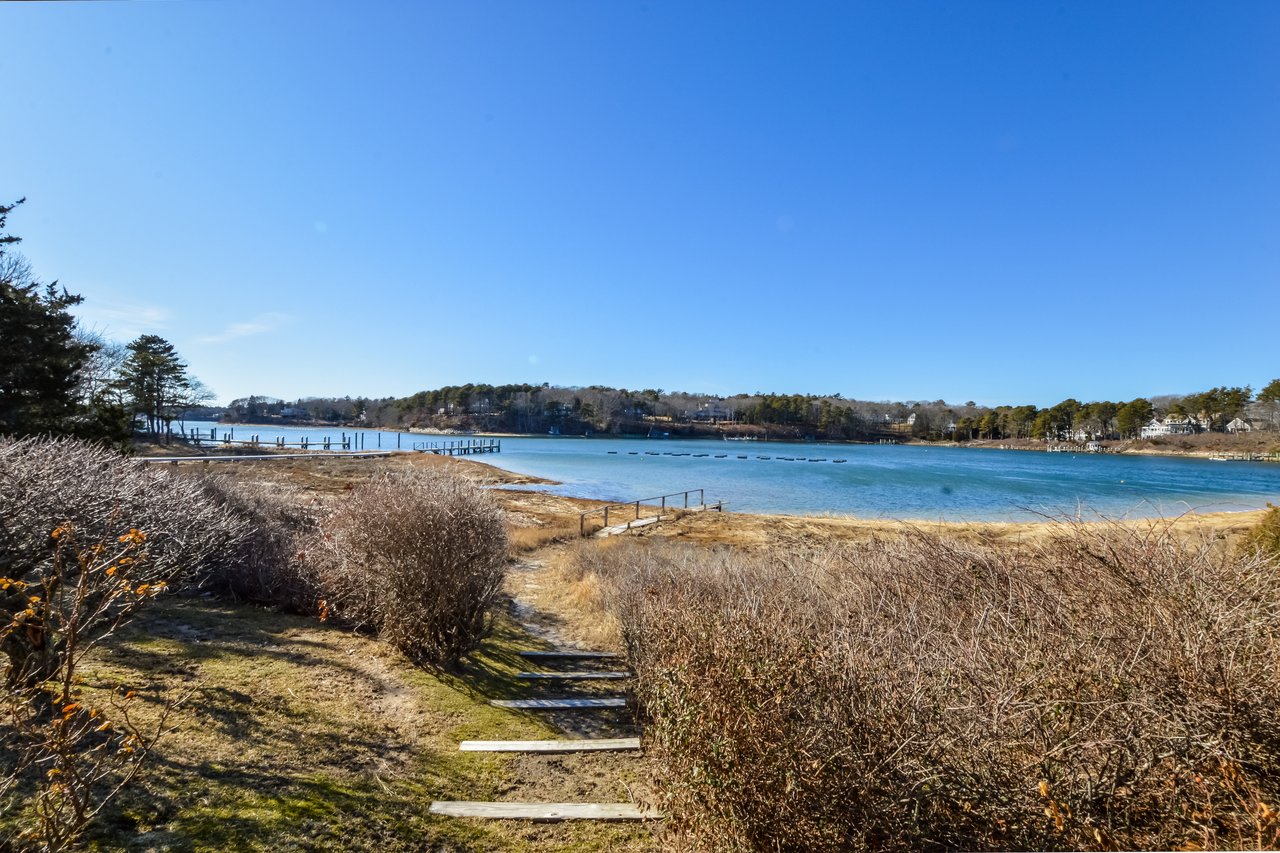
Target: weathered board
x=582, y=745
x=559, y=704
x=543, y=811
x=577, y=676
x=569, y=654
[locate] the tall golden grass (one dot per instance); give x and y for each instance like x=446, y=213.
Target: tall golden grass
x=1103, y=687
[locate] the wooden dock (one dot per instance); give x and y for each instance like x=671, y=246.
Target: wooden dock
x=462, y=447
x=343, y=441
x=318, y=454
x=1222, y=456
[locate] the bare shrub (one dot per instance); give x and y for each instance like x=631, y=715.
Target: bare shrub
x=1107, y=687
x=417, y=557
x=1265, y=537
x=268, y=565
x=66, y=755
x=46, y=483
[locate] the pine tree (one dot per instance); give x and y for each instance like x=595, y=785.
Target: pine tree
x=1270, y=397
x=40, y=356
x=155, y=381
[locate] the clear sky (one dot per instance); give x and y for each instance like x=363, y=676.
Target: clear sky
x=1005, y=202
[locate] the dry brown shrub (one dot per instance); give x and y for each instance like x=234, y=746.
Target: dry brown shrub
x=419, y=558
x=269, y=564
x=1265, y=537
x=87, y=537
x=1105, y=687
x=46, y=483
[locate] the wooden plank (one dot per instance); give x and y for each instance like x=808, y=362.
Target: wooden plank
x=543, y=811
x=569, y=653
x=583, y=745
x=559, y=704
x=577, y=676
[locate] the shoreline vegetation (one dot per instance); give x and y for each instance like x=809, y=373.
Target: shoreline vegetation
x=1204, y=445
x=298, y=727
x=1176, y=422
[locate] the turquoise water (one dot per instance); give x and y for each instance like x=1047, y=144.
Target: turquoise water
x=908, y=482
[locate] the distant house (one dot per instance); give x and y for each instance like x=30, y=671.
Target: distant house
x=713, y=410
x=1239, y=425
x=1168, y=426
x=911, y=419
x=293, y=412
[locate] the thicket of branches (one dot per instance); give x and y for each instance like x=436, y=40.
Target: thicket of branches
x=418, y=558
x=1107, y=688
x=87, y=538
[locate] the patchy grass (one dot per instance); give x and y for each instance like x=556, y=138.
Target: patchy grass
x=298, y=735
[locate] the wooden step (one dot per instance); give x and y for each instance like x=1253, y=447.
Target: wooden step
x=559, y=704
x=579, y=676
x=584, y=745
x=543, y=811
x=570, y=654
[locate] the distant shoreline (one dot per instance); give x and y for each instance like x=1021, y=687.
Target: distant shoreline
x=1201, y=446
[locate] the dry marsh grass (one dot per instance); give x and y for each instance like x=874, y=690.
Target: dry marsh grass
x=1099, y=686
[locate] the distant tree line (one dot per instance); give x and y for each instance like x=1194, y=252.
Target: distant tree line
x=525, y=408
x=57, y=378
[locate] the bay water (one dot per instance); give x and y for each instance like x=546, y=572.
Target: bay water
x=873, y=481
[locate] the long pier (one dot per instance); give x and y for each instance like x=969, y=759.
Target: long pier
x=462, y=447
x=349, y=441
x=355, y=454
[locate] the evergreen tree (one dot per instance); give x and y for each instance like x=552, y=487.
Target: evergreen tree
x=1133, y=416
x=1270, y=397
x=156, y=384
x=40, y=355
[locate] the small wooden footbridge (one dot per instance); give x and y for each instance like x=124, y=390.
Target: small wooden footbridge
x=644, y=512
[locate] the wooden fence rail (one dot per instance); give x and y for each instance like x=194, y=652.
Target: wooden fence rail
x=662, y=507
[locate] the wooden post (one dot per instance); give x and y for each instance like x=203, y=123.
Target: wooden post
x=686, y=500
x=637, y=509
x=606, y=516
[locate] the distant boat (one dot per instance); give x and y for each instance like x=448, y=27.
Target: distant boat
x=654, y=432
x=553, y=431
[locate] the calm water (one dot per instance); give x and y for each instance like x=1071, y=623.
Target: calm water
x=875, y=481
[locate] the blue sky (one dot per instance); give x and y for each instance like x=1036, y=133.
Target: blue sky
x=1005, y=202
